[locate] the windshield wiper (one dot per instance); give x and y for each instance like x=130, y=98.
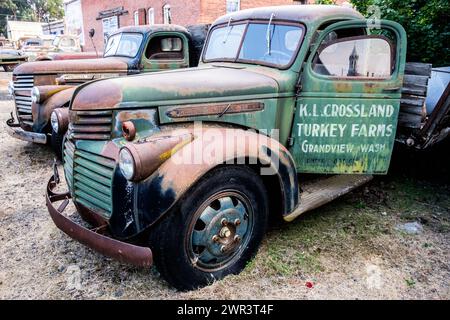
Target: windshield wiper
x=229, y=31
x=269, y=34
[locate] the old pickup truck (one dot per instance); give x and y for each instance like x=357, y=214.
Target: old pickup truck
x=10, y=58
x=184, y=168
x=41, y=87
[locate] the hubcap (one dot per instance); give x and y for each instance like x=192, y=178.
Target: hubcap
x=220, y=230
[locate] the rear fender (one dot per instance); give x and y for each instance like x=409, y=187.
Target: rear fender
x=158, y=193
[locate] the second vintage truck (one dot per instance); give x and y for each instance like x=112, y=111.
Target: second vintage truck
x=184, y=168
x=41, y=87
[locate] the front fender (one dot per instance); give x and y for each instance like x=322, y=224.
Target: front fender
x=42, y=111
x=158, y=193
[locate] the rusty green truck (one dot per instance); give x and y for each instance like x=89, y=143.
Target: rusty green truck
x=183, y=168
x=41, y=87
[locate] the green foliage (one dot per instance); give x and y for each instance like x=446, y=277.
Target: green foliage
x=29, y=10
x=426, y=23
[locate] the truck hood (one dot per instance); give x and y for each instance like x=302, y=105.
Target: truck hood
x=102, y=65
x=194, y=85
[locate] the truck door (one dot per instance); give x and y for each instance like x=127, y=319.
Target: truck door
x=349, y=97
x=165, y=51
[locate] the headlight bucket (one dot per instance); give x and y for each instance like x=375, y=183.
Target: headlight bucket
x=127, y=164
x=35, y=95
x=59, y=120
x=148, y=156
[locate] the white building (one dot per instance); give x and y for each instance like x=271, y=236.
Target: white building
x=17, y=29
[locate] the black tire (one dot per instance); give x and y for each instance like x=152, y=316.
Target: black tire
x=56, y=142
x=172, y=238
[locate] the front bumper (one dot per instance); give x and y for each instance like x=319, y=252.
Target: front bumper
x=15, y=131
x=118, y=250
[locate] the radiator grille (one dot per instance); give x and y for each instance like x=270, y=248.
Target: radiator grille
x=22, y=96
x=89, y=177
x=90, y=125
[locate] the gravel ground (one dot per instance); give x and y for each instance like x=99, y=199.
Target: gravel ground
x=347, y=250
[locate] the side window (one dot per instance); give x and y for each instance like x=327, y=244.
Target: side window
x=165, y=48
x=369, y=56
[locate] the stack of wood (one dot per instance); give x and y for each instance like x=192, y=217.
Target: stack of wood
x=413, y=111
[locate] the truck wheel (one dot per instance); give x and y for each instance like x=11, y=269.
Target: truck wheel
x=214, y=230
x=56, y=142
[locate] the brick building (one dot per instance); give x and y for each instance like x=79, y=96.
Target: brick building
x=105, y=16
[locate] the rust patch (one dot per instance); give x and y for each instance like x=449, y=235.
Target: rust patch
x=343, y=87
x=90, y=97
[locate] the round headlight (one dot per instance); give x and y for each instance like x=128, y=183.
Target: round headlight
x=126, y=163
x=54, y=121
x=35, y=95
x=11, y=88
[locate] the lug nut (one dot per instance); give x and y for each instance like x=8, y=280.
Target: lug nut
x=215, y=238
x=224, y=222
x=222, y=249
x=237, y=222
x=237, y=238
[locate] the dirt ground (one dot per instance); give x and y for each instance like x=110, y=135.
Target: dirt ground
x=350, y=249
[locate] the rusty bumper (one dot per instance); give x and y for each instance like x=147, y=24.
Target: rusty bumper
x=15, y=131
x=118, y=250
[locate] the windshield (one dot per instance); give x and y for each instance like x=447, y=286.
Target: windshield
x=263, y=43
x=123, y=44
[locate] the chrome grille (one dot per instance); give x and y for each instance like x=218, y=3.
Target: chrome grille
x=22, y=96
x=90, y=125
x=92, y=180
x=69, y=149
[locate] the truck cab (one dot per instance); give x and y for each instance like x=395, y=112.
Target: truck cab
x=183, y=168
x=40, y=87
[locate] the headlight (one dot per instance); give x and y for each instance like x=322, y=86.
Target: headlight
x=126, y=163
x=54, y=121
x=11, y=88
x=35, y=95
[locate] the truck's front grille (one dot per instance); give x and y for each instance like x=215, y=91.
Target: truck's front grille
x=89, y=177
x=90, y=125
x=22, y=96
x=69, y=150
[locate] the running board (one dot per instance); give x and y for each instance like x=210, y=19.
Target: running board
x=321, y=191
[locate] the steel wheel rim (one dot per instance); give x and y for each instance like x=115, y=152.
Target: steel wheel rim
x=220, y=230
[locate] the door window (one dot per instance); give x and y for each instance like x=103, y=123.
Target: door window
x=165, y=48
x=361, y=56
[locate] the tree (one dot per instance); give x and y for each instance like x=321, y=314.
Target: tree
x=29, y=10
x=426, y=23
x=47, y=9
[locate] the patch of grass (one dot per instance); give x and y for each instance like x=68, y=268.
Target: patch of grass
x=350, y=224
x=410, y=282
x=335, y=229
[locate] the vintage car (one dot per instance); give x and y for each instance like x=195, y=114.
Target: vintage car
x=11, y=58
x=185, y=168
x=45, y=47
x=40, y=87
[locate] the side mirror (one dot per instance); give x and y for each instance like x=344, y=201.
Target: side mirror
x=91, y=33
